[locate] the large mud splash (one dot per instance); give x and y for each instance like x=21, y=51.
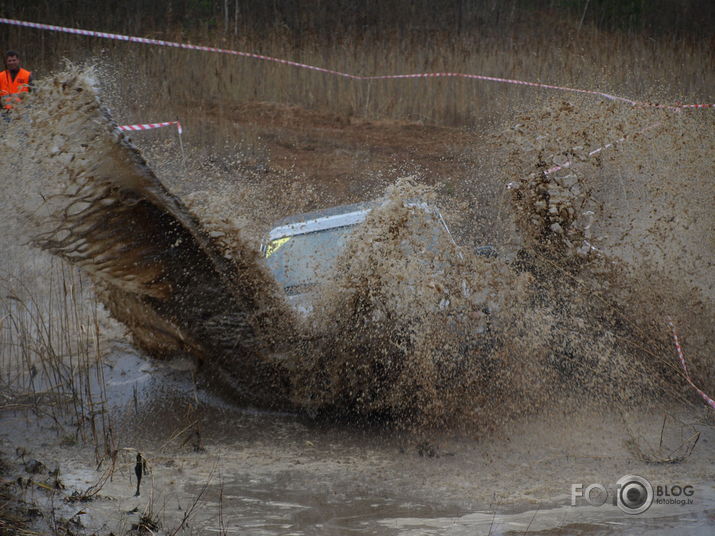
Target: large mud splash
x=81, y=191
x=444, y=337
x=422, y=337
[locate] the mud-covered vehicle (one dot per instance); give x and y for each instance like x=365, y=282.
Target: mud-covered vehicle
x=301, y=250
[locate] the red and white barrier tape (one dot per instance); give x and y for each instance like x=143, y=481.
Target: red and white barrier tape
x=514, y=185
x=709, y=401
x=598, y=150
x=158, y=42
x=150, y=126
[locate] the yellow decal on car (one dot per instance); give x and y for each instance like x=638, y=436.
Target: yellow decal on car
x=275, y=245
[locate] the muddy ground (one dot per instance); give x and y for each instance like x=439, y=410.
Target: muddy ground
x=298, y=160
x=217, y=468
x=239, y=471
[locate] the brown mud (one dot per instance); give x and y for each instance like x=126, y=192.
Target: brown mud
x=271, y=473
x=446, y=370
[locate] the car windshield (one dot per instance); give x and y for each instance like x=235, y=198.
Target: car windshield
x=305, y=259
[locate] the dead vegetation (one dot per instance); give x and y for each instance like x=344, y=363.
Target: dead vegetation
x=51, y=354
x=675, y=443
x=540, y=42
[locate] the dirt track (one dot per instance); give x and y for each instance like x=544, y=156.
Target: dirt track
x=339, y=154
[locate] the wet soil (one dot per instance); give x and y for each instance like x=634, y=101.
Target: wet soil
x=325, y=148
x=215, y=467
x=342, y=157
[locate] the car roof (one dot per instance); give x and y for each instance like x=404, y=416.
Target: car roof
x=329, y=218
x=325, y=212
x=335, y=217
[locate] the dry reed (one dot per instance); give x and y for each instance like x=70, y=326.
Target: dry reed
x=51, y=361
x=537, y=42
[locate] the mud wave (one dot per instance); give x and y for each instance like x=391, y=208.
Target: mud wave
x=83, y=192
x=420, y=336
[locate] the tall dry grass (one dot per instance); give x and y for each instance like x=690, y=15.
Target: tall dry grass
x=555, y=46
x=51, y=361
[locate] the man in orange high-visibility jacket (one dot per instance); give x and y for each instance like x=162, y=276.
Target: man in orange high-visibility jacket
x=14, y=79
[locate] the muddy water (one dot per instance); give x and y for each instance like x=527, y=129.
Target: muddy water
x=257, y=472
x=465, y=397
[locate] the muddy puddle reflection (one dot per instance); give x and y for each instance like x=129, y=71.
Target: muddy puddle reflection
x=278, y=508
